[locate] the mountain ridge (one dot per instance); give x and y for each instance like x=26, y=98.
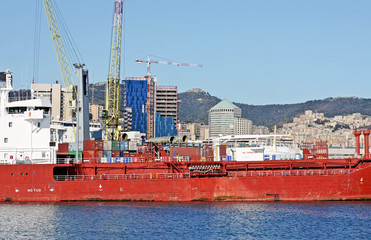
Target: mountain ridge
x=194, y=106
x=195, y=103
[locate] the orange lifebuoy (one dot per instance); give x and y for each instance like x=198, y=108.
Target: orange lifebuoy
x=27, y=158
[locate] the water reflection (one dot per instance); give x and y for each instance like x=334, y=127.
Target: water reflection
x=27, y=221
x=97, y=220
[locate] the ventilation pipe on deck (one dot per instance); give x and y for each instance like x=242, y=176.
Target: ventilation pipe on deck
x=180, y=139
x=161, y=140
x=357, y=134
x=366, y=135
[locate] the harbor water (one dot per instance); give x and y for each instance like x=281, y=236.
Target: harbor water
x=199, y=220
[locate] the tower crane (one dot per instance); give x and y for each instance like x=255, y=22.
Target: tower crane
x=112, y=111
x=148, y=105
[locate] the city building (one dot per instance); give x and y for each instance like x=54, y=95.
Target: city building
x=135, y=103
x=221, y=118
x=59, y=97
x=96, y=111
x=167, y=101
x=260, y=130
x=195, y=131
x=163, y=107
x=336, y=131
x=52, y=92
x=204, y=132
x=165, y=126
x=242, y=126
x=166, y=105
x=127, y=120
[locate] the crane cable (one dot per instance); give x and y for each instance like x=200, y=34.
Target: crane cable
x=72, y=51
x=36, y=53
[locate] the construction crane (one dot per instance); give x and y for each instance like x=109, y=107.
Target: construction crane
x=148, y=61
x=112, y=111
x=61, y=56
x=149, y=83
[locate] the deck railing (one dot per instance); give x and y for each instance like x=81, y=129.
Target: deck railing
x=121, y=176
x=188, y=175
x=291, y=173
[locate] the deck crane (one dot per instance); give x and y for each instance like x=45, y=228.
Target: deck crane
x=148, y=105
x=112, y=111
x=77, y=102
x=61, y=56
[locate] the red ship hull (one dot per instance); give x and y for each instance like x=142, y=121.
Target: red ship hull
x=198, y=181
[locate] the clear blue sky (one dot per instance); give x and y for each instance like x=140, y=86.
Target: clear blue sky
x=255, y=52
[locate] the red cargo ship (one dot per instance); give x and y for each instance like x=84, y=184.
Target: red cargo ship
x=170, y=179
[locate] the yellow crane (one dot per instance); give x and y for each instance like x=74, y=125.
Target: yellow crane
x=112, y=110
x=61, y=56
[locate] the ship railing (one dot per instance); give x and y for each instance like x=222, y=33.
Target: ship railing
x=181, y=158
x=290, y=173
x=128, y=159
x=121, y=176
x=66, y=160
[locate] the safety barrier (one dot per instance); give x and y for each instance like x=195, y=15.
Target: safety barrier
x=290, y=173
x=121, y=176
x=126, y=159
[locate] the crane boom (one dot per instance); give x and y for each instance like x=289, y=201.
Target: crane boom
x=60, y=51
x=113, y=80
x=171, y=63
x=149, y=79
x=165, y=62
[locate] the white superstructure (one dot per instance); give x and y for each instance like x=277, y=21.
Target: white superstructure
x=255, y=147
x=64, y=131
x=25, y=128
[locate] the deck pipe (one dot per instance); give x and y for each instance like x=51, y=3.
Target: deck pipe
x=357, y=134
x=366, y=135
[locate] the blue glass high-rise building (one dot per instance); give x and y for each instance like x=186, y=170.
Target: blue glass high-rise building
x=136, y=99
x=162, y=117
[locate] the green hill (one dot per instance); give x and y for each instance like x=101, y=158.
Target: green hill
x=195, y=104
x=194, y=107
